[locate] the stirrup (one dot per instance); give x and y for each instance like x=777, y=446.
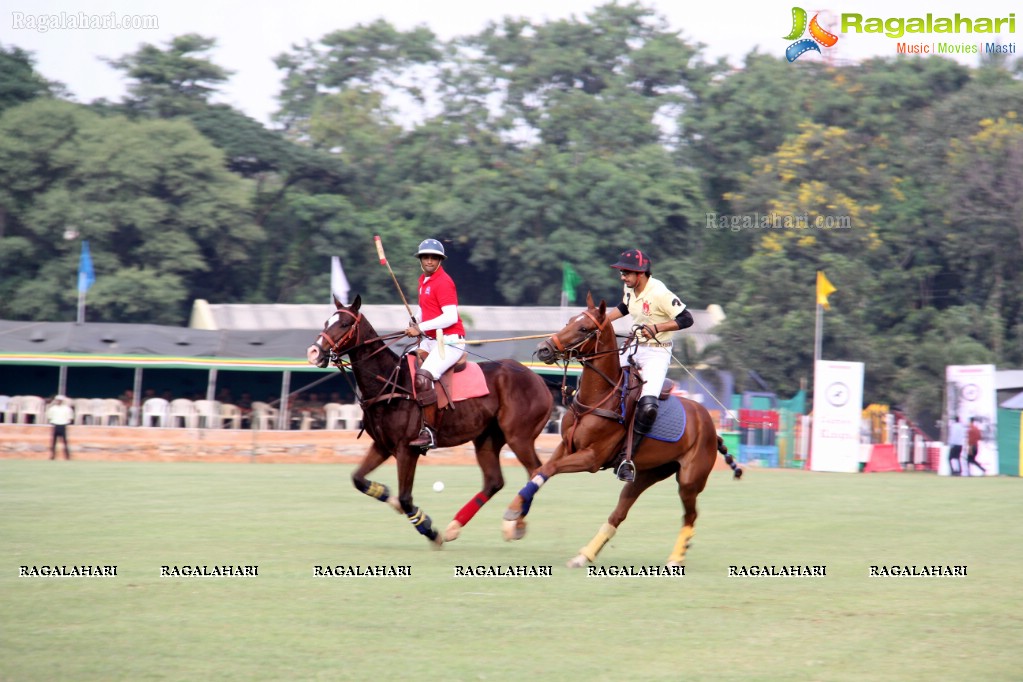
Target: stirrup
x=425, y=440
x=626, y=471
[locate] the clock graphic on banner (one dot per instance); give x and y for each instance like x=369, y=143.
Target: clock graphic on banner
x=969, y=392
x=837, y=394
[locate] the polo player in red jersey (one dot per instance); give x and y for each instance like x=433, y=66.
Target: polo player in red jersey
x=438, y=310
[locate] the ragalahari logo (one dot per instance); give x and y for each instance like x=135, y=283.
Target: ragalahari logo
x=818, y=36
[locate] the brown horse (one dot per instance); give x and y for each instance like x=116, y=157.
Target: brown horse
x=515, y=411
x=593, y=430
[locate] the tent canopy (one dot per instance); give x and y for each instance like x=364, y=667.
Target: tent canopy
x=1014, y=403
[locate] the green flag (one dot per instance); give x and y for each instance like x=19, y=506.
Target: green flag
x=570, y=279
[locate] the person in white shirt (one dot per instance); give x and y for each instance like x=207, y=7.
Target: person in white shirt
x=60, y=414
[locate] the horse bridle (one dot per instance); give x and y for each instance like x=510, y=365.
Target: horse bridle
x=341, y=347
x=574, y=351
x=336, y=347
x=569, y=352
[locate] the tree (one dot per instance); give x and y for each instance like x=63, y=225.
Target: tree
x=171, y=82
x=595, y=85
x=20, y=82
x=374, y=57
x=984, y=206
x=166, y=223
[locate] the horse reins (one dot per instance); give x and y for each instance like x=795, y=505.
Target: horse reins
x=578, y=408
x=574, y=351
x=338, y=348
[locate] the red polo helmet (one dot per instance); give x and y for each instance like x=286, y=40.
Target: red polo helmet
x=633, y=260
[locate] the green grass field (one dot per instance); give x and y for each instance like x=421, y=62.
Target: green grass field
x=286, y=624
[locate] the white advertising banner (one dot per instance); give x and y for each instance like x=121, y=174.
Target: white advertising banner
x=837, y=416
x=972, y=388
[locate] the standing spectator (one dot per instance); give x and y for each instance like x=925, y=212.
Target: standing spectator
x=60, y=414
x=973, y=438
x=956, y=438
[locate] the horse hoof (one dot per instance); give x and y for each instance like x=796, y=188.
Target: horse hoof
x=578, y=561
x=675, y=564
x=452, y=532
x=395, y=505
x=437, y=542
x=513, y=529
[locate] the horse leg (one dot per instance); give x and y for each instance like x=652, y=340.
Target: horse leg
x=685, y=536
x=488, y=446
x=587, y=459
x=688, y=489
x=525, y=452
x=407, y=460
x=523, y=442
x=374, y=458
x=630, y=493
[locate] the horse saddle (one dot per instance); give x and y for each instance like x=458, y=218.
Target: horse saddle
x=671, y=415
x=463, y=381
x=671, y=420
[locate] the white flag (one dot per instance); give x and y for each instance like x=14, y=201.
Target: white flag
x=338, y=281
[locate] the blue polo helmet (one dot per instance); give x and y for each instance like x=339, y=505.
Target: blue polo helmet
x=431, y=247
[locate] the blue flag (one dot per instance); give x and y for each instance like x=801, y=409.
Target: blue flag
x=86, y=276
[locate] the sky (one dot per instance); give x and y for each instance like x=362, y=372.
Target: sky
x=250, y=34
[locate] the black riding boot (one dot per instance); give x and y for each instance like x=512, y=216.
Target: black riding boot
x=643, y=422
x=426, y=396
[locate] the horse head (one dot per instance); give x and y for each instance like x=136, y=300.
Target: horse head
x=340, y=332
x=579, y=337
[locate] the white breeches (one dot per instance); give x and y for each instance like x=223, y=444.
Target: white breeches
x=653, y=361
x=454, y=349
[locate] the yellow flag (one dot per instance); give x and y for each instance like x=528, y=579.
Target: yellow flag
x=824, y=289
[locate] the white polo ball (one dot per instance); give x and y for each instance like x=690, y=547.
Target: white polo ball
x=438, y=486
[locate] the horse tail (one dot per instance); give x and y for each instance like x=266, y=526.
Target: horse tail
x=736, y=470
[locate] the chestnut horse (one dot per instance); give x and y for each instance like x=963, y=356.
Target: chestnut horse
x=515, y=411
x=593, y=430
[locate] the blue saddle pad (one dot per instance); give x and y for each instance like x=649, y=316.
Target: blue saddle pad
x=671, y=420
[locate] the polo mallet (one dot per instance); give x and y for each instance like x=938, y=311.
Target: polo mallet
x=411, y=317
x=383, y=261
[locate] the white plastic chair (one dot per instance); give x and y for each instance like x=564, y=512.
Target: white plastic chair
x=31, y=409
x=183, y=409
x=230, y=416
x=83, y=410
x=9, y=407
x=351, y=415
x=112, y=413
x=264, y=416
x=334, y=418
x=207, y=414
x=95, y=410
x=155, y=412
